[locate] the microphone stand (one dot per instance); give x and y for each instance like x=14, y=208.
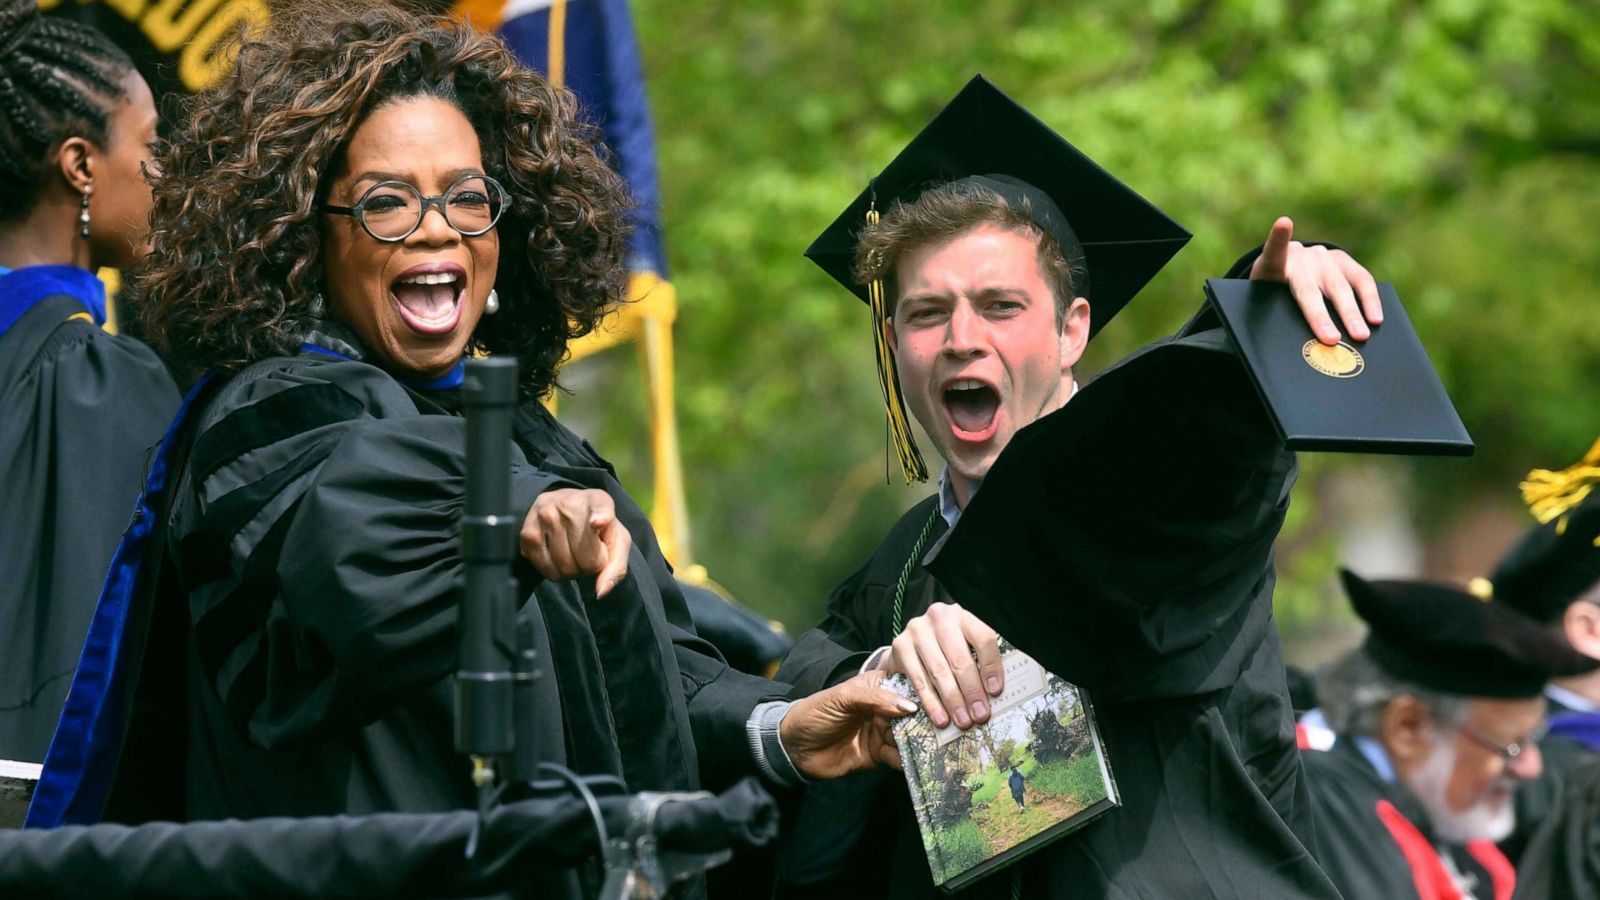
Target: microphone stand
x=498, y=665
x=485, y=730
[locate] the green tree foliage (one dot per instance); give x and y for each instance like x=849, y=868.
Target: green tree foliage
x=1004, y=753
x=1452, y=145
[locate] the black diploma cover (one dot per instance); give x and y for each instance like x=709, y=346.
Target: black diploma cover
x=1381, y=395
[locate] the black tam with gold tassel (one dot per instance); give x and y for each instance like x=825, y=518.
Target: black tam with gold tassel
x=1558, y=561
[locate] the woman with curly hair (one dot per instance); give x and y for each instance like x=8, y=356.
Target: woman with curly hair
x=82, y=407
x=369, y=197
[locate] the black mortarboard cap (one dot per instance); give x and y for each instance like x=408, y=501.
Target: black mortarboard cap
x=1557, y=560
x=988, y=139
x=1446, y=639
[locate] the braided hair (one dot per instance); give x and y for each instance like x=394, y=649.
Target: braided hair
x=58, y=79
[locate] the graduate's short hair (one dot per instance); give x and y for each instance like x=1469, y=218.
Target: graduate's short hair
x=58, y=80
x=235, y=266
x=945, y=212
x=1354, y=692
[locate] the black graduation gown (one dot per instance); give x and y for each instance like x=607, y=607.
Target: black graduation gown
x=82, y=409
x=1563, y=860
x=1539, y=799
x=1362, y=846
x=1125, y=541
x=314, y=534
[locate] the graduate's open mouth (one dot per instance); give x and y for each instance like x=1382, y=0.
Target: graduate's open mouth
x=973, y=408
x=428, y=297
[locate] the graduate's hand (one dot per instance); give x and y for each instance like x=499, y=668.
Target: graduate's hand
x=935, y=651
x=1313, y=273
x=570, y=532
x=845, y=728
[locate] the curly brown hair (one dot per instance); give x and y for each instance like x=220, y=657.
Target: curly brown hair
x=235, y=264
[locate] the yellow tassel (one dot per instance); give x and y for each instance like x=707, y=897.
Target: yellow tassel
x=905, y=444
x=1551, y=495
x=1481, y=587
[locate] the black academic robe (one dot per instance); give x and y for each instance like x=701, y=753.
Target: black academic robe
x=1563, y=860
x=314, y=537
x=1539, y=799
x=1375, y=840
x=1124, y=541
x=83, y=408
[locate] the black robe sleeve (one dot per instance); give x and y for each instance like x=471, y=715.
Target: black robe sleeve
x=324, y=568
x=860, y=610
x=1125, y=540
x=718, y=698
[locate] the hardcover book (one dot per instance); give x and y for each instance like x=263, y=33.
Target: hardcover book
x=987, y=797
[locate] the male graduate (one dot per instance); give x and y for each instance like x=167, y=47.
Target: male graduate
x=1553, y=575
x=1437, y=715
x=1124, y=539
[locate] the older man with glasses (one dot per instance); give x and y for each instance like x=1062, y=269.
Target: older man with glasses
x=1438, y=716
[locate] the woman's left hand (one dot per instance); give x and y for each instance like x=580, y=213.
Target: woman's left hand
x=845, y=728
x=570, y=532
x=1313, y=273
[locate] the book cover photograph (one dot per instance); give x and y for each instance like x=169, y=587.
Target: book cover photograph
x=987, y=797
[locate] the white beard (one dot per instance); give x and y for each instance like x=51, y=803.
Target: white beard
x=1485, y=820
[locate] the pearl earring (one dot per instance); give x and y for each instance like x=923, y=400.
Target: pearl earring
x=491, y=305
x=83, y=212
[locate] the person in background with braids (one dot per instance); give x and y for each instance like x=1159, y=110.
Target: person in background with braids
x=82, y=407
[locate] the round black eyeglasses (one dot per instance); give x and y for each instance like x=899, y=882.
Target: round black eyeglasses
x=391, y=210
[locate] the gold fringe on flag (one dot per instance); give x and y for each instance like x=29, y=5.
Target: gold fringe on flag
x=905, y=445
x=1552, y=495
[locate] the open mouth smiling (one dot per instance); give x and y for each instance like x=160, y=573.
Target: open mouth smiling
x=428, y=298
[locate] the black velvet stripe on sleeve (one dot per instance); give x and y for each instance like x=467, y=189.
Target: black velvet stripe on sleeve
x=231, y=512
x=290, y=412
x=221, y=630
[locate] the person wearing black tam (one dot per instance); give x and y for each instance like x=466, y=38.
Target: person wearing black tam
x=1552, y=573
x=991, y=251
x=1438, y=715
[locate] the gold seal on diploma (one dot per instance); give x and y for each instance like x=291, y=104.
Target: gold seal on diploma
x=1339, y=361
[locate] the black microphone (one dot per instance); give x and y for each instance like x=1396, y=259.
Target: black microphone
x=488, y=657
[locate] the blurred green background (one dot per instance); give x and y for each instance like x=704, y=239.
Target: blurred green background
x=1451, y=146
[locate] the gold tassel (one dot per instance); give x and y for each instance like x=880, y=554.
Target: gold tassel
x=1481, y=587
x=905, y=445
x=1551, y=495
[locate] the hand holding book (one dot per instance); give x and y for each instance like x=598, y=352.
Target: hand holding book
x=845, y=728
x=952, y=660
